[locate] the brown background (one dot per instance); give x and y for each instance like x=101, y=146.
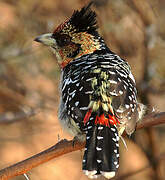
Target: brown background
x=29, y=76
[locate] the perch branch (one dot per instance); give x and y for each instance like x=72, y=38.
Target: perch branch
x=64, y=147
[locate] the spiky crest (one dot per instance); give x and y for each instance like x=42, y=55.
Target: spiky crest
x=83, y=20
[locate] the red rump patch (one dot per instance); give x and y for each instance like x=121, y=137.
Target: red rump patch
x=102, y=120
x=87, y=116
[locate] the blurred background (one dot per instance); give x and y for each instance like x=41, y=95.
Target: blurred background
x=29, y=76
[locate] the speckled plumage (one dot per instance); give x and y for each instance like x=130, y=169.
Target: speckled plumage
x=98, y=94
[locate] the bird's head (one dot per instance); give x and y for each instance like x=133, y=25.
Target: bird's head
x=75, y=37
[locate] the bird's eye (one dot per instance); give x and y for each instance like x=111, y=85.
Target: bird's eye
x=62, y=39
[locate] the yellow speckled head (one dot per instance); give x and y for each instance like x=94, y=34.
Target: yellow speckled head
x=75, y=37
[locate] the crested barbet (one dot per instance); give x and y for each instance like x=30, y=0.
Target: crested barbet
x=98, y=94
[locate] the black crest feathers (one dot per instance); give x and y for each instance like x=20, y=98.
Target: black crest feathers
x=84, y=20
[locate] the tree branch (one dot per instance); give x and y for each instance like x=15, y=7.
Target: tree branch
x=64, y=147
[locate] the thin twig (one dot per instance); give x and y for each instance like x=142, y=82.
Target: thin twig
x=25, y=112
x=152, y=120
x=26, y=176
x=64, y=147
x=61, y=148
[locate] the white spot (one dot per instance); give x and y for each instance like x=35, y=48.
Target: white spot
x=89, y=79
x=116, y=134
x=86, y=67
x=68, y=81
x=127, y=106
x=98, y=160
x=85, y=149
x=89, y=92
x=84, y=160
x=130, y=84
x=72, y=108
x=129, y=117
x=153, y=109
x=131, y=105
x=83, y=108
x=77, y=84
x=114, y=139
x=95, y=67
x=85, y=129
x=115, y=151
x=100, y=127
x=112, y=81
x=121, y=92
x=122, y=74
x=106, y=66
x=92, y=60
x=89, y=127
x=113, y=129
x=87, y=137
x=126, y=83
x=115, y=163
x=111, y=72
x=89, y=173
x=94, y=176
x=117, y=155
x=80, y=63
x=117, y=166
x=130, y=98
x=64, y=85
x=133, y=110
x=125, y=87
x=108, y=56
x=130, y=88
x=119, y=79
x=108, y=175
x=73, y=92
x=119, y=111
x=113, y=94
x=80, y=88
x=98, y=149
x=99, y=137
x=76, y=103
x=117, y=138
x=131, y=76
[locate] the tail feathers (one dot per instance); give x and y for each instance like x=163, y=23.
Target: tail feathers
x=101, y=156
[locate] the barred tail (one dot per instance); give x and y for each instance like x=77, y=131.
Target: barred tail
x=101, y=156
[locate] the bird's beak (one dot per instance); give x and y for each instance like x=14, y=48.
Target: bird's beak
x=46, y=39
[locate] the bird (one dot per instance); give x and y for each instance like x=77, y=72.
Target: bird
x=98, y=96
